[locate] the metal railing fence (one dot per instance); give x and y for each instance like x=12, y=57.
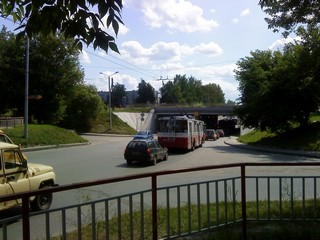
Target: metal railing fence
x=178, y=210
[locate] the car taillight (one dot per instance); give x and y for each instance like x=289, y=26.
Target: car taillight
x=126, y=150
x=148, y=150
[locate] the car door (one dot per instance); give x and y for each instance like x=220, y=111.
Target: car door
x=159, y=149
x=3, y=190
x=15, y=174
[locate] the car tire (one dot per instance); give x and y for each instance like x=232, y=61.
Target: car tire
x=42, y=202
x=129, y=162
x=165, y=158
x=154, y=160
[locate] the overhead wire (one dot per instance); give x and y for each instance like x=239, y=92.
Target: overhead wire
x=133, y=67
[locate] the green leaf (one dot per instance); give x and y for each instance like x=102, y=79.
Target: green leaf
x=115, y=26
x=114, y=47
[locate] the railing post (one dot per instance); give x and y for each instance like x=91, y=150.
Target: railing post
x=154, y=207
x=25, y=218
x=244, y=201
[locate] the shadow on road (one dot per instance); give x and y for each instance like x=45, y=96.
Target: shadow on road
x=13, y=214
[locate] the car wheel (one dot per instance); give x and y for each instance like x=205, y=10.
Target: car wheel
x=154, y=160
x=42, y=201
x=129, y=162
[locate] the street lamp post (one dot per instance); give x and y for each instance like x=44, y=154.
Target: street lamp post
x=109, y=83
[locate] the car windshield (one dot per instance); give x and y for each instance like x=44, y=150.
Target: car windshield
x=137, y=144
x=142, y=133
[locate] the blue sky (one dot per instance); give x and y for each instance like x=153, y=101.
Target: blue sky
x=163, y=38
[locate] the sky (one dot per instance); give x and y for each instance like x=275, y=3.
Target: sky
x=164, y=38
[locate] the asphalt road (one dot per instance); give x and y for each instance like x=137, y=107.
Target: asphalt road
x=103, y=158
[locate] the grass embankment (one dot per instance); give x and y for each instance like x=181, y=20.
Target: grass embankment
x=40, y=135
x=307, y=138
x=102, y=123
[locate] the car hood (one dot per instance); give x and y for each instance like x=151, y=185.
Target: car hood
x=37, y=169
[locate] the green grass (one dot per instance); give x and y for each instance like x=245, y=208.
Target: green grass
x=42, y=135
x=134, y=109
x=102, y=125
x=263, y=230
x=307, y=138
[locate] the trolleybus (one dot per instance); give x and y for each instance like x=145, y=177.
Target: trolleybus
x=181, y=132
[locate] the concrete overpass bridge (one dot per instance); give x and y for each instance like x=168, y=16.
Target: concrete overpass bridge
x=210, y=115
x=214, y=117
x=195, y=111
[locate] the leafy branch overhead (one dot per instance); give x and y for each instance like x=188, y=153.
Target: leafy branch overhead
x=289, y=14
x=81, y=20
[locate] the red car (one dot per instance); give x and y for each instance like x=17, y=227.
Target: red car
x=220, y=132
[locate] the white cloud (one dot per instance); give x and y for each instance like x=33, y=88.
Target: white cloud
x=101, y=82
x=163, y=51
x=123, y=30
x=279, y=44
x=176, y=15
x=245, y=12
x=84, y=57
x=209, y=49
x=212, y=10
x=235, y=20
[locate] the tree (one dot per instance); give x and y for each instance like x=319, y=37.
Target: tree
x=83, y=106
x=183, y=90
x=54, y=72
x=74, y=19
x=168, y=95
x=278, y=88
x=189, y=89
x=253, y=74
x=146, y=93
x=212, y=94
x=118, y=94
x=12, y=66
x=288, y=14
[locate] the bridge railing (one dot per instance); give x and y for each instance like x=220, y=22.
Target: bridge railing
x=175, y=210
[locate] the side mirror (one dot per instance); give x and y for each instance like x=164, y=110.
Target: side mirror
x=25, y=163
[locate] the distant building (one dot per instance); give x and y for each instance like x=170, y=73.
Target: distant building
x=131, y=96
x=104, y=95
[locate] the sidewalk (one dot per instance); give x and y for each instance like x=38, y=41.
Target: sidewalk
x=232, y=141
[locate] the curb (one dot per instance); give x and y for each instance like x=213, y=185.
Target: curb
x=234, y=142
x=106, y=134
x=37, y=148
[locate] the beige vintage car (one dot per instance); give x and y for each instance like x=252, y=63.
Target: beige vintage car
x=17, y=175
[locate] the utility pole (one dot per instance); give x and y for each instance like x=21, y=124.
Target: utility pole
x=109, y=83
x=26, y=92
